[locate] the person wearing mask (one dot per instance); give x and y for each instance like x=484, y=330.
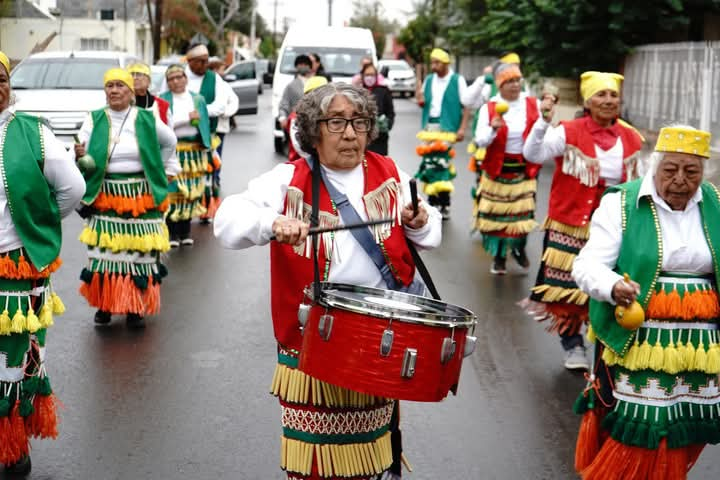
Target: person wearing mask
x=294, y=90
x=40, y=185
x=442, y=121
x=386, y=110
x=143, y=98
x=357, y=80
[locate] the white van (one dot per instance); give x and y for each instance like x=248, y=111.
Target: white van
x=340, y=50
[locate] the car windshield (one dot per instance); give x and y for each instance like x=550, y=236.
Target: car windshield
x=65, y=73
x=342, y=62
x=401, y=67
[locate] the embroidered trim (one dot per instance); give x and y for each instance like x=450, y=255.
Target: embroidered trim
x=336, y=423
x=655, y=395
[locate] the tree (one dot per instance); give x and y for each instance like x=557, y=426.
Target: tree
x=419, y=35
x=370, y=14
x=183, y=20
x=218, y=20
x=155, y=18
x=267, y=47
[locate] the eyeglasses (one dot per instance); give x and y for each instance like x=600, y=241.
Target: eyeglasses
x=339, y=124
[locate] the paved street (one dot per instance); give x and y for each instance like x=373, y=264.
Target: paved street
x=187, y=397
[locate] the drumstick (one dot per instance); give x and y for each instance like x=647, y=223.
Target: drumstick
x=349, y=226
x=413, y=196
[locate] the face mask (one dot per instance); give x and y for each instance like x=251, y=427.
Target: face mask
x=370, y=80
x=303, y=70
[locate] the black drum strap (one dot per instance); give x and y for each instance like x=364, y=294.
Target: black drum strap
x=424, y=273
x=314, y=222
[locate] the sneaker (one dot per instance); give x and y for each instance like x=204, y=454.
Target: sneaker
x=498, y=266
x=102, y=317
x=520, y=257
x=134, y=321
x=576, y=359
x=174, y=244
x=206, y=221
x=21, y=467
x=445, y=212
x=187, y=242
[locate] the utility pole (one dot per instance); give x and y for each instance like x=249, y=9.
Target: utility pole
x=330, y=13
x=252, y=28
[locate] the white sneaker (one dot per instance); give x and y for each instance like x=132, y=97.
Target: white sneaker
x=174, y=244
x=576, y=359
x=187, y=241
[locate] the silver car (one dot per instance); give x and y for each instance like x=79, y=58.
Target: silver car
x=243, y=80
x=400, y=76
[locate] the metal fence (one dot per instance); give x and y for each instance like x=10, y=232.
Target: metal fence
x=674, y=82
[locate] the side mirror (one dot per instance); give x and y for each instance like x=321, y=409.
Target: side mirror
x=230, y=77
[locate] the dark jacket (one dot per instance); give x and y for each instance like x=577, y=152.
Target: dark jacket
x=384, y=101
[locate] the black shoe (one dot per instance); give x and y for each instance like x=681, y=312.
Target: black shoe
x=498, y=266
x=135, y=321
x=445, y=212
x=22, y=467
x=520, y=257
x=102, y=317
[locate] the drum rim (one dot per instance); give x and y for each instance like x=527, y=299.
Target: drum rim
x=460, y=318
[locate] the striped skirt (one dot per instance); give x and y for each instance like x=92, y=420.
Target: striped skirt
x=186, y=192
x=27, y=402
x=329, y=432
x=125, y=237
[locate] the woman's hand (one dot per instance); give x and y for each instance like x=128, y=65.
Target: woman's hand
x=79, y=150
x=625, y=293
x=290, y=231
x=547, y=108
x=418, y=221
x=194, y=115
x=497, y=122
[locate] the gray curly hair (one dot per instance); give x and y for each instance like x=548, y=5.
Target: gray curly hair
x=314, y=106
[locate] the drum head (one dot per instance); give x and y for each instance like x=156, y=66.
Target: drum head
x=390, y=304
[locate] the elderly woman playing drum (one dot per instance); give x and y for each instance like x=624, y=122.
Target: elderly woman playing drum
x=335, y=124
x=651, y=269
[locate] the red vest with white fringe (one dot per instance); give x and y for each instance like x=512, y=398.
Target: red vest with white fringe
x=495, y=154
x=576, y=187
x=291, y=268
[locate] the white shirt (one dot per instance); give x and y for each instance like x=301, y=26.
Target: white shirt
x=61, y=174
x=126, y=155
x=515, y=119
x=544, y=144
x=246, y=219
x=684, y=246
x=477, y=93
x=233, y=103
x=219, y=106
x=182, y=105
x=438, y=87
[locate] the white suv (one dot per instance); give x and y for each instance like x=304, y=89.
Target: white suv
x=63, y=87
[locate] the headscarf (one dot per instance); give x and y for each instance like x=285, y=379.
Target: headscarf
x=505, y=72
x=139, y=68
x=594, y=82
x=314, y=82
x=175, y=68
x=5, y=62
x=684, y=140
x=510, y=58
x=197, y=51
x=119, y=74
x=440, y=55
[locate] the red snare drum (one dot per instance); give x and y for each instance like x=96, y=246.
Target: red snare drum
x=385, y=343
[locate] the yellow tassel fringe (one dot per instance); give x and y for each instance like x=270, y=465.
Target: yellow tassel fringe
x=292, y=385
x=497, y=189
x=590, y=335
x=671, y=359
x=119, y=242
x=430, y=136
x=31, y=322
x=559, y=294
x=558, y=259
x=522, y=227
x=582, y=233
x=351, y=460
x=522, y=205
x=438, y=187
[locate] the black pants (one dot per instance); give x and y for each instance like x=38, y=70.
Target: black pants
x=179, y=230
x=442, y=199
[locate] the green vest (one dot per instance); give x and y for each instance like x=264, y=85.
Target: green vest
x=451, y=111
x=640, y=255
x=148, y=145
x=207, y=90
x=201, y=107
x=31, y=201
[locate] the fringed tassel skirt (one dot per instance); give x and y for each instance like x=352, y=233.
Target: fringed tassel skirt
x=27, y=402
x=665, y=389
x=329, y=432
x=186, y=192
x=125, y=237
x=211, y=194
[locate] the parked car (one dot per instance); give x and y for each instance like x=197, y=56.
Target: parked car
x=63, y=87
x=242, y=77
x=262, y=66
x=400, y=76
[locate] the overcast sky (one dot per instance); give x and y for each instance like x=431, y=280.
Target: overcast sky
x=315, y=12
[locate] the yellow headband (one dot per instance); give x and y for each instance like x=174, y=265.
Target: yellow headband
x=5, y=62
x=314, y=82
x=684, y=140
x=510, y=58
x=118, y=74
x=139, y=68
x=440, y=55
x=594, y=82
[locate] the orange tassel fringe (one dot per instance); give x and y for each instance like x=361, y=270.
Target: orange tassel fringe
x=136, y=206
x=42, y=423
x=24, y=270
x=700, y=304
x=118, y=294
x=13, y=437
x=212, y=207
x=588, y=441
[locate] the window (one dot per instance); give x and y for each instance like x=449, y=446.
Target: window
x=243, y=71
x=70, y=73
x=94, y=44
x=337, y=61
x=107, y=14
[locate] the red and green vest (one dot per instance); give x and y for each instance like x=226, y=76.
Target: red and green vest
x=291, y=272
x=640, y=255
x=150, y=155
x=31, y=201
x=495, y=154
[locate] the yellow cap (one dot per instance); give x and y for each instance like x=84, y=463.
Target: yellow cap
x=118, y=74
x=139, y=68
x=510, y=58
x=440, y=55
x=684, y=140
x=5, y=62
x=594, y=82
x=314, y=82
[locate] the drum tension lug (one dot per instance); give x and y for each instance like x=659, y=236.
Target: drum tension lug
x=386, y=342
x=408, y=365
x=470, y=342
x=325, y=326
x=447, y=351
x=303, y=314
